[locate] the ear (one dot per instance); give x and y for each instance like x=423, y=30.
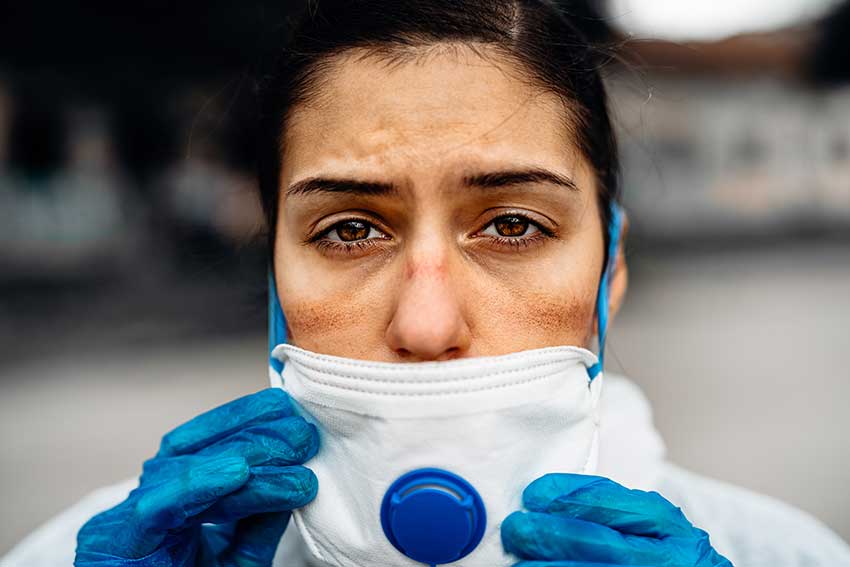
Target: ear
x=620, y=276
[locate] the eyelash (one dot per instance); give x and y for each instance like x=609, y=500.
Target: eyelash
x=325, y=245
x=518, y=243
x=345, y=247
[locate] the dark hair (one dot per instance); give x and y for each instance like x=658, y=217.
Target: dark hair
x=537, y=34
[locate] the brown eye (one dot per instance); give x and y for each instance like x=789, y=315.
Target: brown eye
x=352, y=230
x=510, y=226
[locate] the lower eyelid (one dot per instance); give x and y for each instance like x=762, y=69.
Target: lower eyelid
x=511, y=244
x=348, y=246
x=345, y=247
x=521, y=240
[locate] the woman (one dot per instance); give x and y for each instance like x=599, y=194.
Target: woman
x=440, y=181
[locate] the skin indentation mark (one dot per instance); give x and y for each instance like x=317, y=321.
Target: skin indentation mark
x=552, y=315
x=316, y=317
x=430, y=269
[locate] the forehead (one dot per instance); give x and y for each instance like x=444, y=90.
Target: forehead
x=443, y=110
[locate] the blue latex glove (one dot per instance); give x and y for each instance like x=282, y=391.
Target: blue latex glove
x=590, y=521
x=218, y=492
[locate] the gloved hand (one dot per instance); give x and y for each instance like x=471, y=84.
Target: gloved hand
x=590, y=521
x=236, y=466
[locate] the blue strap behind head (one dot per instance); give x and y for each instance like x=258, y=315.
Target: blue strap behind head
x=615, y=226
x=277, y=322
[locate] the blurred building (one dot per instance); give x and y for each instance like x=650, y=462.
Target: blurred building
x=733, y=138
x=722, y=160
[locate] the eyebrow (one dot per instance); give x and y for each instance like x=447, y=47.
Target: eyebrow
x=335, y=185
x=518, y=177
x=488, y=180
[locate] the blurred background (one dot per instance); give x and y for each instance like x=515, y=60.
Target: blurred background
x=132, y=261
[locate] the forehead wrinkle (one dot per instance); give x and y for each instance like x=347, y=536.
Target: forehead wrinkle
x=512, y=68
x=394, y=56
x=387, y=144
x=322, y=76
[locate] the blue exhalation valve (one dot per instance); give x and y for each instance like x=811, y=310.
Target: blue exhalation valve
x=433, y=516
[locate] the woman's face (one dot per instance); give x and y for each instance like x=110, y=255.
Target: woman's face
x=435, y=209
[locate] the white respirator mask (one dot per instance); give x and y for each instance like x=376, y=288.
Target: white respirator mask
x=420, y=462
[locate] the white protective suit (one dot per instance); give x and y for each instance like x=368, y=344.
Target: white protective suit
x=749, y=529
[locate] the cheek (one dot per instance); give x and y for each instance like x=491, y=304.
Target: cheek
x=533, y=318
x=566, y=316
x=548, y=301
x=328, y=311
x=332, y=326
x=314, y=318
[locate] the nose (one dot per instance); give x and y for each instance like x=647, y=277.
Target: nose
x=428, y=321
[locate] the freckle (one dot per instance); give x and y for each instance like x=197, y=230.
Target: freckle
x=551, y=314
x=310, y=318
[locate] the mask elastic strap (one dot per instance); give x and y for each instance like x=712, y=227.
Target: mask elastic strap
x=277, y=323
x=615, y=226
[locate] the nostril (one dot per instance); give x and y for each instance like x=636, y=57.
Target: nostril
x=409, y=356
x=450, y=354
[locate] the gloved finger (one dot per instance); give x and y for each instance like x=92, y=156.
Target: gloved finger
x=255, y=540
x=269, y=489
x=532, y=535
x=602, y=501
x=266, y=405
x=288, y=441
x=138, y=525
x=157, y=471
